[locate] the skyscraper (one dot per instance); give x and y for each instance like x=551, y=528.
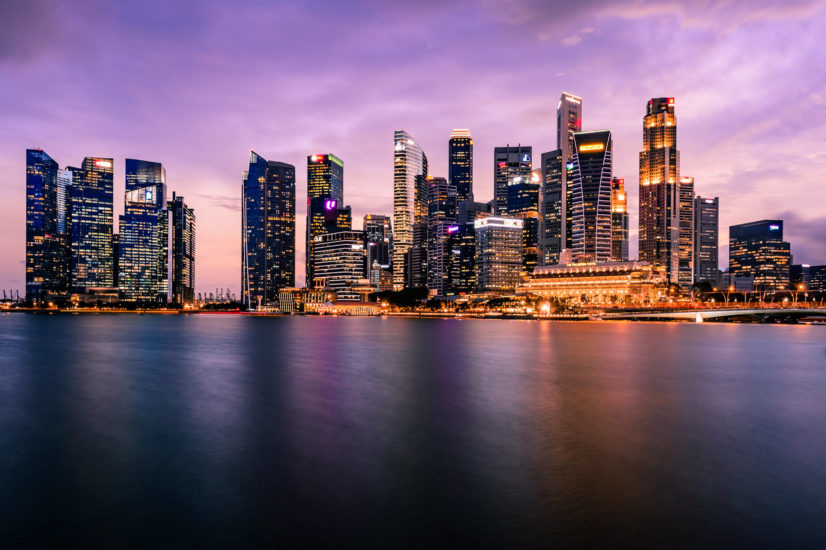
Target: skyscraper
x=706, y=231
x=553, y=206
x=619, y=221
x=460, y=164
x=498, y=253
x=143, y=236
x=568, y=122
x=377, y=240
x=523, y=203
x=510, y=165
x=267, y=230
x=685, y=276
x=45, y=242
x=92, y=218
x=757, y=249
x=325, y=195
x=659, y=192
x=182, y=233
x=591, y=196
x=441, y=220
x=409, y=161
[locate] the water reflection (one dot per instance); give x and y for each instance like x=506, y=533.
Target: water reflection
x=235, y=431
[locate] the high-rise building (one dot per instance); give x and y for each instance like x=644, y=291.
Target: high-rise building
x=498, y=253
x=267, y=230
x=809, y=278
x=757, y=249
x=377, y=240
x=523, y=203
x=441, y=220
x=568, y=122
x=46, y=238
x=325, y=196
x=339, y=262
x=553, y=206
x=409, y=161
x=685, y=276
x=460, y=164
x=182, y=237
x=659, y=191
x=706, y=231
x=510, y=165
x=462, y=244
x=619, y=221
x=591, y=196
x=143, y=237
x=92, y=220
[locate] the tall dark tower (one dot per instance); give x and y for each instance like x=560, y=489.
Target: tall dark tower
x=591, y=196
x=325, y=196
x=93, y=263
x=267, y=230
x=511, y=164
x=659, y=188
x=44, y=246
x=460, y=164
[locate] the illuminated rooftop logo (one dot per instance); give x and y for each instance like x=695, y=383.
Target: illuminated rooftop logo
x=330, y=204
x=591, y=147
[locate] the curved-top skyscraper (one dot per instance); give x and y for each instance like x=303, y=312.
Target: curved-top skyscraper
x=409, y=161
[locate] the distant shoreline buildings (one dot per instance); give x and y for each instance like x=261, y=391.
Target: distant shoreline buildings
x=560, y=227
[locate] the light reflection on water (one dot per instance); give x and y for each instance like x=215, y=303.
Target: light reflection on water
x=238, y=431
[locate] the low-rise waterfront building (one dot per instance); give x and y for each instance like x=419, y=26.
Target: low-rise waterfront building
x=599, y=283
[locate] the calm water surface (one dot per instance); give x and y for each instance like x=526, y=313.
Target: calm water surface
x=216, y=431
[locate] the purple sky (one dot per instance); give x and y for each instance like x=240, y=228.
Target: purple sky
x=196, y=85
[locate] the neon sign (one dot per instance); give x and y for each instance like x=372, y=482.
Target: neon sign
x=589, y=147
x=330, y=204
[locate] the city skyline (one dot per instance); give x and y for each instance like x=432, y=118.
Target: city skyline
x=734, y=116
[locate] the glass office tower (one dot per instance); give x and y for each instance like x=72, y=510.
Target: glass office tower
x=757, y=249
x=568, y=122
x=591, y=196
x=92, y=219
x=706, y=232
x=510, y=165
x=659, y=188
x=460, y=164
x=553, y=206
x=143, y=235
x=325, y=193
x=685, y=276
x=409, y=162
x=267, y=230
x=619, y=221
x=182, y=253
x=46, y=240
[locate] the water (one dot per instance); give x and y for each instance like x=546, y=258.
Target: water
x=217, y=431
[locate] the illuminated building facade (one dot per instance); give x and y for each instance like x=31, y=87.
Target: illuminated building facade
x=553, y=206
x=441, y=223
x=143, y=237
x=599, y=283
x=511, y=165
x=267, y=230
x=462, y=243
x=182, y=233
x=339, y=263
x=591, y=196
x=47, y=241
x=409, y=161
x=498, y=253
x=685, y=276
x=757, y=249
x=523, y=203
x=460, y=164
x=619, y=221
x=659, y=237
x=811, y=277
x=568, y=122
x=378, y=240
x=706, y=235
x=325, y=196
x=92, y=219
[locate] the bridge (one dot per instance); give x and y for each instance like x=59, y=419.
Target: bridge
x=760, y=315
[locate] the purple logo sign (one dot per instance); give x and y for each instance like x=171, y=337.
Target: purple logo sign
x=330, y=204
